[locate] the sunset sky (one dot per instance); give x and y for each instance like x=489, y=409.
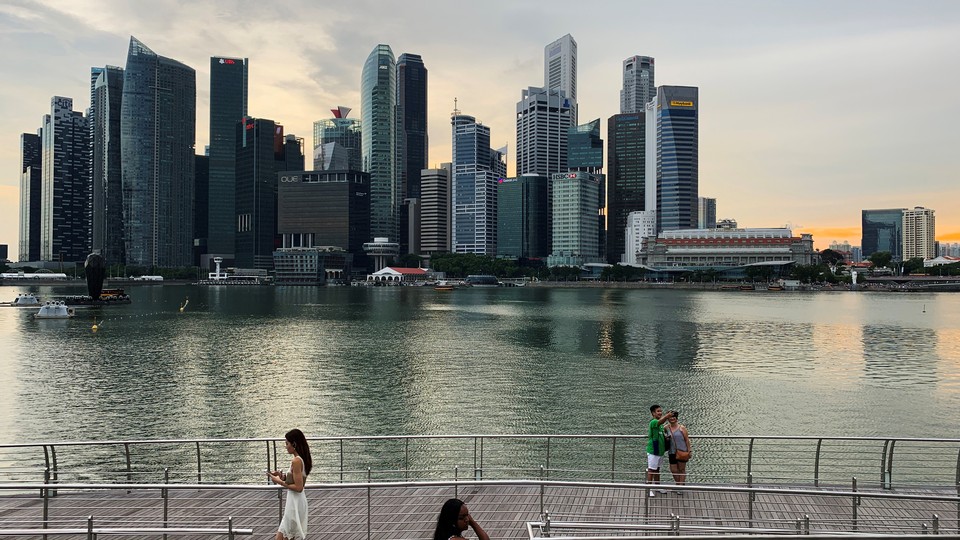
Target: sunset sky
x=809, y=111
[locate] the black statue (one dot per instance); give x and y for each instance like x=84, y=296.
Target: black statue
x=96, y=269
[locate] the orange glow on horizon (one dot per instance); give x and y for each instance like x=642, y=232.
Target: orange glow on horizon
x=824, y=236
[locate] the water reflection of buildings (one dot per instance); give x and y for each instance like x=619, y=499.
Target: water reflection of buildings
x=899, y=356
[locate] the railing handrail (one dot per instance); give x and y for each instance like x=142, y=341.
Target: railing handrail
x=172, y=531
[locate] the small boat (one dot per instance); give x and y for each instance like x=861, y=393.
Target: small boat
x=729, y=287
x=775, y=288
x=108, y=297
x=444, y=286
x=747, y=288
x=54, y=310
x=24, y=300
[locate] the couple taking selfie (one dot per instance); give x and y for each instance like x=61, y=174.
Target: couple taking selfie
x=667, y=436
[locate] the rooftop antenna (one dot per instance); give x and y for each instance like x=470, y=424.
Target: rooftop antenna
x=456, y=111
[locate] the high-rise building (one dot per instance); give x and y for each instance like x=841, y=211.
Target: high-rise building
x=476, y=170
x=706, y=213
x=338, y=143
x=228, y=105
x=575, y=235
x=919, y=233
x=201, y=206
x=107, y=177
x=412, y=142
x=435, y=209
x=673, y=139
x=560, y=71
x=30, y=194
x=543, y=123
x=882, y=230
x=638, y=84
x=626, y=177
x=378, y=104
x=585, y=154
x=65, y=206
x=157, y=137
x=641, y=226
x=262, y=153
x=523, y=210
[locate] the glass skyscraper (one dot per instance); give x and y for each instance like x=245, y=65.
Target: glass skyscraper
x=476, y=170
x=626, y=177
x=107, y=175
x=543, y=124
x=30, y=187
x=378, y=104
x=882, y=230
x=157, y=137
x=228, y=105
x=638, y=84
x=338, y=143
x=676, y=143
x=413, y=144
x=523, y=211
x=560, y=71
x=65, y=184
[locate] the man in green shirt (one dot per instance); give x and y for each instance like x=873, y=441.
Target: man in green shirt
x=656, y=444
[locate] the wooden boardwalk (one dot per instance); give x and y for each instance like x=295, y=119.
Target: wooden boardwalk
x=503, y=510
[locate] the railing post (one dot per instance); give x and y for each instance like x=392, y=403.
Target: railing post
x=269, y=468
x=646, y=505
x=90, y=528
x=923, y=528
x=368, y=503
x=856, y=503
x=53, y=454
x=799, y=526
x=166, y=500
x=613, y=461
x=230, y=527
x=456, y=481
x=548, y=464
x=750, y=462
x=199, y=470
x=546, y=524
x=676, y=524
x=936, y=524
x=816, y=465
x=46, y=499
x=890, y=465
x=806, y=524
x=276, y=464
x=542, y=489
x=126, y=451
x=341, y=461
x=884, y=483
x=750, y=499
x=406, y=459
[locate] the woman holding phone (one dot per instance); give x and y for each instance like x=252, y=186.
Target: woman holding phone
x=293, y=525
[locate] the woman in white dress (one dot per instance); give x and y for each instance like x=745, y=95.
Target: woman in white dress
x=293, y=526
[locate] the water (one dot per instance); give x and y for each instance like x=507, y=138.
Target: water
x=255, y=361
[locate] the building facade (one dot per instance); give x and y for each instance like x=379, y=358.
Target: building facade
x=476, y=170
x=641, y=225
x=338, y=143
x=575, y=235
x=435, y=209
x=228, y=105
x=560, y=71
x=378, y=109
x=882, y=230
x=65, y=205
x=523, y=210
x=413, y=145
x=544, y=117
x=107, y=174
x=30, y=193
x=157, y=138
x=706, y=213
x=638, y=84
x=726, y=248
x=675, y=143
x=919, y=233
x=626, y=177
x=585, y=154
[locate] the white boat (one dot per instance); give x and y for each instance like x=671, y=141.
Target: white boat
x=54, y=310
x=24, y=300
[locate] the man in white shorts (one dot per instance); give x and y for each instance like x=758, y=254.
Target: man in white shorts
x=656, y=445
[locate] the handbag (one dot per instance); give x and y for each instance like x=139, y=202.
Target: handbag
x=683, y=455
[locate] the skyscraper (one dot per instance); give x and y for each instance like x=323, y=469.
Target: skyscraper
x=435, y=208
x=675, y=143
x=882, y=230
x=626, y=177
x=412, y=142
x=575, y=238
x=107, y=177
x=638, y=84
x=338, y=143
x=65, y=184
x=560, y=71
x=228, y=105
x=476, y=169
x=523, y=210
x=157, y=136
x=30, y=194
x=919, y=233
x=585, y=154
x=378, y=104
x=706, y=213
x=543, y=123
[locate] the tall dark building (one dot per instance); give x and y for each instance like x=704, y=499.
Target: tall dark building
x=523, y=209
x=30, y=182
x=585, y=154
x=435, y=209
x=626, y=177
x=201, y=190
x=65, y=184
x=378, y=114
x=412, y=146
x=882, y=230
x=324, y=209
x=677, y=144
x=228, y=104
x=262, y=152
x=107, y=177
x=157, y=137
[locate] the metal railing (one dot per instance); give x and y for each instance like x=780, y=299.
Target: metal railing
x=883, y=462
x=353, y=506
x=91, y=531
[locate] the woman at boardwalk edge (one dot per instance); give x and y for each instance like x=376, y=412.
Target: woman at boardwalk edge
x=454, y=519
x=679, y=449
x=293, y=526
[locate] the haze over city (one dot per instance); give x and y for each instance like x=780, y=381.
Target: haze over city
x=809, y=112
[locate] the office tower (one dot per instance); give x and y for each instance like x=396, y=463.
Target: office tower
x=543, y=123
x=638, y=84
x=107, y=176
x=262, y=153
x=201, y=206
x=435, y=209
x=560, y=71
x=157, y=136
x=337, y=143
x=575, y=238
x=30, y=194
x=585, y=154
x=882, y=230
x=706, y=213
x=626, y=177
x=324, y=209
x=476, y=169
x=65, y=184
x=641, y=225
x=523, y=210
x=673, y=139
x=856, y=254
x=228, y=105
x=378, y=104
x=919, y=238
x=412, y=142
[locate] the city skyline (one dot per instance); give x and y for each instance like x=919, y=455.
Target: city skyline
x=802, y=120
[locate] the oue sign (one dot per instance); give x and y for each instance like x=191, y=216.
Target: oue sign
x=292, y=178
